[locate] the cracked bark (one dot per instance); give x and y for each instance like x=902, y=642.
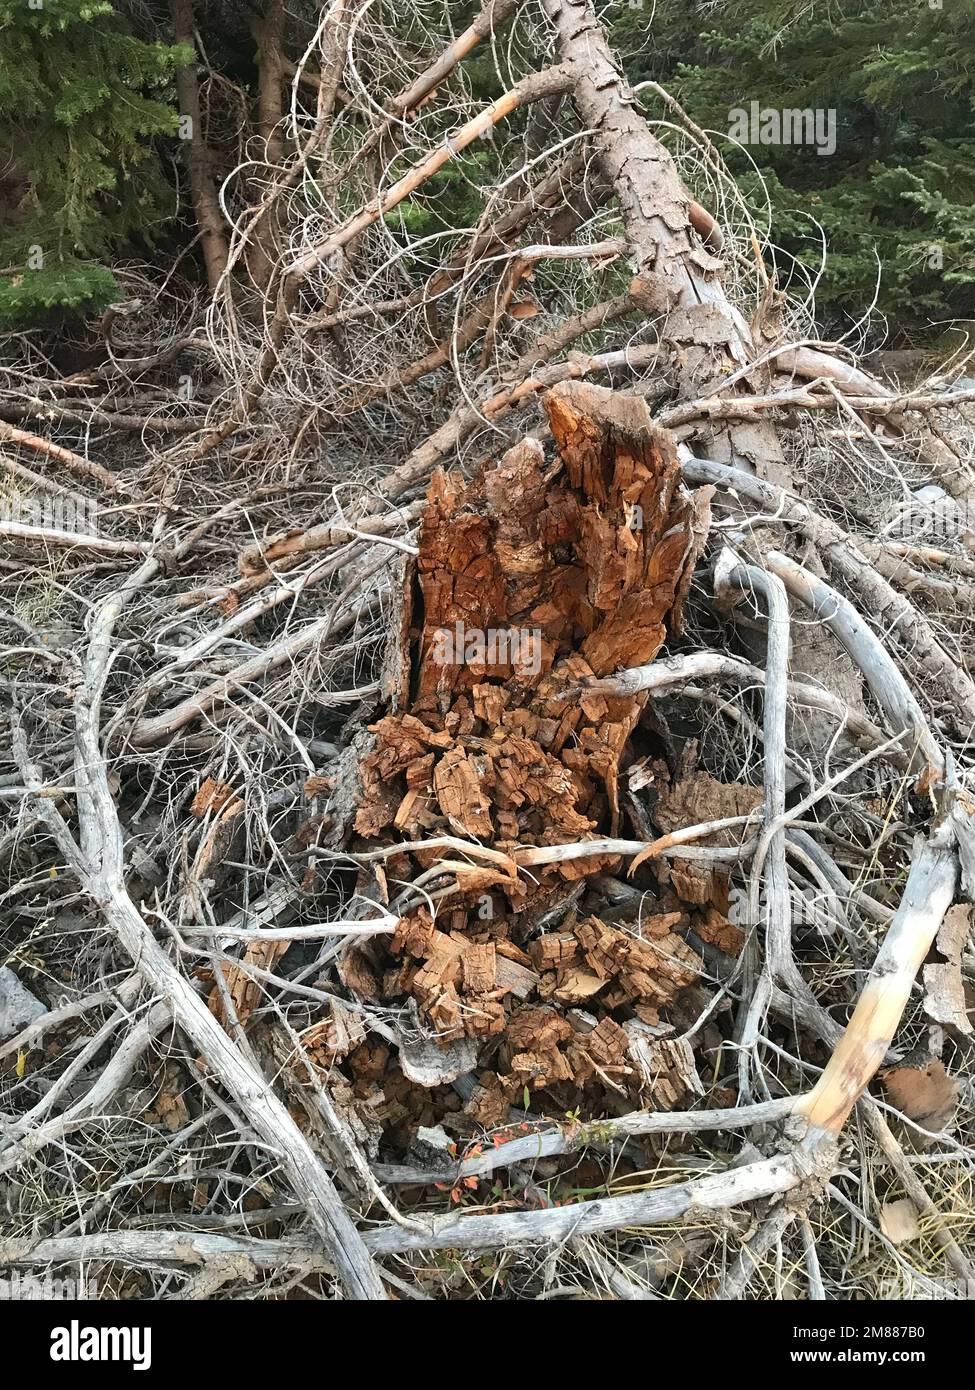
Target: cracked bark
x=704, y=331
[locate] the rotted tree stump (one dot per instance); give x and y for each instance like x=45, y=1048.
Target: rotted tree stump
x=538, y=574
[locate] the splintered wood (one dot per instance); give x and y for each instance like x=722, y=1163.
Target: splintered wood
x=538, y=574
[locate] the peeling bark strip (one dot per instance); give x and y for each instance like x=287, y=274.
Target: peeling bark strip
x=532, y=578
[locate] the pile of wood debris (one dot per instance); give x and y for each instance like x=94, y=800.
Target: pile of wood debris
x=313, y=847
x=536, y=577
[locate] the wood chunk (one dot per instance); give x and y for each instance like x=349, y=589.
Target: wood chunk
x=599, y=943
x=416, y=935
x=412, y=812
x=429, y=1063
x=245, y=991
x=475, y=880
x=457, y=785
x=575, y=869
x=546, y=731
x=490, y=702
x=575, y=986
x=692, y=882
x=547, y=985
x=478, y=965
x=489, y=1103
x=363, y=1123
x=218, y=840
x=537, y=1027
x=665, y=1067
x=608, y=1044
x=440, y=969
x=317, y=785
x=554, y=951
x=420, y=771
x=701, y=797
x=662, y=924
x=529, y=776
x=514, y=490
x=654, y=970
x=483, y=1018
x=715, y=928
x=444, y=1013
x=370, y=1061
x=460, y=719
x=401, y=739
x=357, y=972
x=335, y=1037
x=539, y=1069
x=377, y=806
x=211, y=796
x=647, y=1014
x=513, y=978
x=510, y=951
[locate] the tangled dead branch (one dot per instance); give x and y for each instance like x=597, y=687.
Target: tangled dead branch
x=441, y=785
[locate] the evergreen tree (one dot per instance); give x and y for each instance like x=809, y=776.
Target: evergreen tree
x=899, y=188
x=86, y=96
x=82, y=101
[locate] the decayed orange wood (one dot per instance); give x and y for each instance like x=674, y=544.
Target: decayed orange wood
x=543, y=570
x=537, y=574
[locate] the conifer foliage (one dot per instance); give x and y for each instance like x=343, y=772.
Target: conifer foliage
x=83, y=102
x=893, y=203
